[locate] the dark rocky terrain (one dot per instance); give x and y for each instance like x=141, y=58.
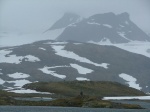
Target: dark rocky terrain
x=103, y=63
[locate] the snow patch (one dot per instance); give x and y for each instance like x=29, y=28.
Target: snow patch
x=18, y=75
x=2, y=81
x=72, y=25
x=1, y=72
x=31, y=58
x=56, y=43
x=47, y=70
x=104, y=41
x=19, y=83
x=127, y=98
x=24, y=91
x=130, y=80
x=93, y=23
x=6, y=58
x=77, y=43
x=42, y=48
x=80, y=69
x=107, y=25
x=122, y=34
x=82, y=79
x=68, y=54
x=121, y=26
x=10, y=58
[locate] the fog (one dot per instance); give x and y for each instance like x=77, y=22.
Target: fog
x=30, y=16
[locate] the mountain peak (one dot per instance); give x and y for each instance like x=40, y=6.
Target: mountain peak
x=124, y=16
x=109, y=26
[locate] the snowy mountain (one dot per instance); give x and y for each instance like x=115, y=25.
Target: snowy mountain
x=58, y=61
x=102, y=27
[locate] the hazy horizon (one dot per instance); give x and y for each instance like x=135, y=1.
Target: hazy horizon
x=28, y=16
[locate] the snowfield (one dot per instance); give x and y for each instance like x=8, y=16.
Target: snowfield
x=80, y=69
x=47, y=70
x=18, y=75
x=68, y=54
x=137, y=47
x=130, y=80
x=6, y=58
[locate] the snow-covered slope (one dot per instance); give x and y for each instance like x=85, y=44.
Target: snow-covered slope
x=137, y=47
x=57, y=61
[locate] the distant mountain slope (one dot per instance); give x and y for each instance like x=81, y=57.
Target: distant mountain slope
x=104, y=27
x=58, y=61
x=67, y=19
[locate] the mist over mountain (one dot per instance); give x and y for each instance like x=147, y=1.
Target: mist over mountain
x=67, y=19
x=99, y=27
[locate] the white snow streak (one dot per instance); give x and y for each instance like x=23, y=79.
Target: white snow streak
x=127, y=98
x=107, y=25
x=47, y=70
x=121, y=25
x=56, y=43
x=18, y=75
x=77, y=43
x=104, y=41
x=42, y=48
x=80, y=69
x=130, y=80
x=23, y=91
x=82, y=79
x=72, y=25
x=93, y=23
x=122, y=34
x=1, y=72
x=68, y=54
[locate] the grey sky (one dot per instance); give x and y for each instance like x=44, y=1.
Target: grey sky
x=39, y=15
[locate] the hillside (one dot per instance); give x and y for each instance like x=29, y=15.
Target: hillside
x=90, y=88
x=48, y=60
